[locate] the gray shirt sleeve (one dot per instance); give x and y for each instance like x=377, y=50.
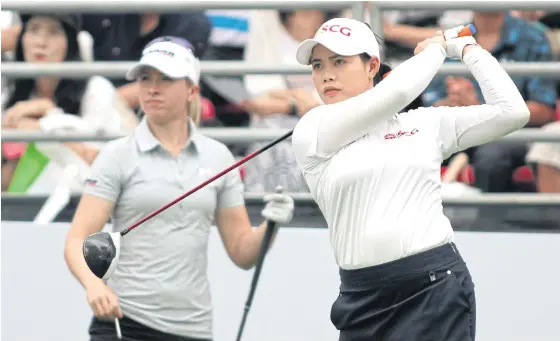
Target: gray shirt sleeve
x=231, y=192
x=105, y=179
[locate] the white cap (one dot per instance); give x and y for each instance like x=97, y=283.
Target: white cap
x=346, y=37
x=172, y=59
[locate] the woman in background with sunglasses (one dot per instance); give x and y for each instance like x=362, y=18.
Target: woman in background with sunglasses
x=160, y=289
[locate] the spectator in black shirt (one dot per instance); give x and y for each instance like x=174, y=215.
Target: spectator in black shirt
x=121, y=37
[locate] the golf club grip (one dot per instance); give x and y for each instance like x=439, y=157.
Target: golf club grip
x=212, y=179
x=269, y=232
x=468, y=30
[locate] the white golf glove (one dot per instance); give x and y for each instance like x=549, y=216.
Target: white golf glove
x=456, y=44
x=279, y=208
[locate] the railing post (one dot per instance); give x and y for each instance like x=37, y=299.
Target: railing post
x=358, y=10
x=376, y=23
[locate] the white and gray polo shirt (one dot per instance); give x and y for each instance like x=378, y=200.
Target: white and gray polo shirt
x=161, y=279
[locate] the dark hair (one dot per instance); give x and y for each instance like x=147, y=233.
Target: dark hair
x=69, y=92
x=384, y=69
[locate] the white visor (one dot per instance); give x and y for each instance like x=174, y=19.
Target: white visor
x=171, y=59
x=346, y=37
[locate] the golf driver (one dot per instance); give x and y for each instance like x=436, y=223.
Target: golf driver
x=102, y=249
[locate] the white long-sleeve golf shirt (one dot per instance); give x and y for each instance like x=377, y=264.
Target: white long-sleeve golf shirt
x=375, y=174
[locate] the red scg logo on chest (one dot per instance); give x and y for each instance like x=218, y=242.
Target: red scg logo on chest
x=400, y=134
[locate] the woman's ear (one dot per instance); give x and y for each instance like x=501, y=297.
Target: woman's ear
x=373, y=66
x=194, y=90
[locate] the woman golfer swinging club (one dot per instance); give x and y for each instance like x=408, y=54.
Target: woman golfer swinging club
x=159, y=290
x=375, y=175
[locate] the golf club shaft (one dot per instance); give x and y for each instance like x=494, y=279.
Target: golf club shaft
x=217, y=176
x=270, y=227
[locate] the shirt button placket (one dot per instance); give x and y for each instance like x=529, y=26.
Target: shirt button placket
x=179, y=164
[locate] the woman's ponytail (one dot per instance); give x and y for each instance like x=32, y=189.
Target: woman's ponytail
x=194, y=109
x=384, y=71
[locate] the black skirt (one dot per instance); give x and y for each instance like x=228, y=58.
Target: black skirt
x=424, y=297
x=102, y=330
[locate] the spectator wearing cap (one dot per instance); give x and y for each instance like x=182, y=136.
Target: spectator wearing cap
x=509, y=39
x=50, y=103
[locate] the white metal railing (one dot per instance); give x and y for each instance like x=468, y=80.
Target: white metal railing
x=116, y=6
x=168, y=6
x=234, y=135
x=411, y=5
x=485, y=199
x=234, y=68
x=118, y=69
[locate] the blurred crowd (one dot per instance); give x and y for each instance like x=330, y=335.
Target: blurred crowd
x=102, y=105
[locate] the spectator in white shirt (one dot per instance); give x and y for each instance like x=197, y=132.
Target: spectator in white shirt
x=278, y=101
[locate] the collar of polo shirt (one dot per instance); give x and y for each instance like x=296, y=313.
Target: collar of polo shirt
x=147, y=141
x=343, y=36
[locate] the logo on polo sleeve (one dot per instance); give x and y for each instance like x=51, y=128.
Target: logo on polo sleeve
x=90, y=182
